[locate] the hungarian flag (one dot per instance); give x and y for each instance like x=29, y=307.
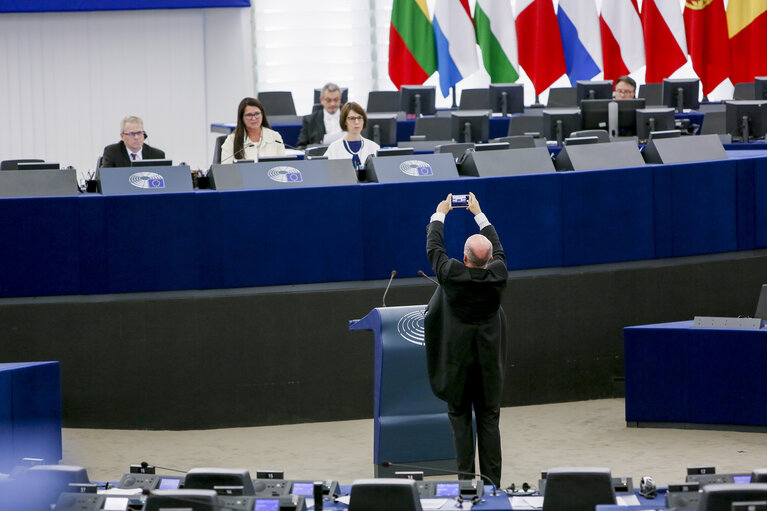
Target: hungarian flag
x=622, y=38
x=497, y=37
x=412, y=52
x=747, y=27
x=707, y=42
x=665, y=44
x=540, y=44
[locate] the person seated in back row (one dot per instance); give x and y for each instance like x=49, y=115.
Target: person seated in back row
x=352, y=145
x=131, y=146
x=321, y=126
x=625, y=88
x=253, y=137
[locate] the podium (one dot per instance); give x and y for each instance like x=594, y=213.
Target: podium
x=411, y=425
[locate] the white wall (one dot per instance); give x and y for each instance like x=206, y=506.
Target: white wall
x=67, y=79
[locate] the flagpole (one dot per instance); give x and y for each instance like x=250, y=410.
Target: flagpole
x=455, y=105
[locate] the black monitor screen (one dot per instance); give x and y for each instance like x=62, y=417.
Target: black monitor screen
x=595, y=114
x=510, y=95
x=474, y=127
x=594, y=89
x=282, y=157
x=382, y=129
x=151, y=163
x=395, y=151
x=760, y=86
x=559, y=123
x=653, y=119
x=681, y=93
x=746, y=120
x=418, y=99
x=38, y=166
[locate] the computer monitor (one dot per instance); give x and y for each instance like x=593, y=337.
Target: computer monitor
x=151, y=163
x=282, y=157
x=595, y=115
x=418, y=99
x=382, y=129
x=760, y=87
x=681, y=93
x=196, y=500
x=470, y=127
x=507, y=98
x=39, y=166
x=654, y=119
x=594, y=89
x=719, y=497
x=395, y=151
x=746, y=120
x=559, y=123
x=218, y=479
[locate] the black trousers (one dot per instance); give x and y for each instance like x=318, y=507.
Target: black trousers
x=488, y=432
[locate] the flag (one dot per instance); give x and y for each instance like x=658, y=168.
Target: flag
x=707, y=42
x=747, y=26
x=412, y=53
x=665, y=44
x=456, y=42
x=579, y=26
x=622, y=38
x=540, y=45
x=497, y=36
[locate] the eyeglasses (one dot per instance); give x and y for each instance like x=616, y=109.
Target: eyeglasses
x=624, y=91
x=134, y=133
x=354, y=118
x=253, y=115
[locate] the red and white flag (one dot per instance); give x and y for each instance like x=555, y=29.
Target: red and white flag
x=665, y=44
x=622, y=38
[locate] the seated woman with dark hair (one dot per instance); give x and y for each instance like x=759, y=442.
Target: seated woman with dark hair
x=252, y=137
x=352, y=145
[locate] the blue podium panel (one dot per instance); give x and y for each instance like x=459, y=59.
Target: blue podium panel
x=604, y=227
x=418, y=168
x=30, y=413
x=282, y=175
x=145, y=180
x=680, y=374
x=760, y=199
x=411, y=424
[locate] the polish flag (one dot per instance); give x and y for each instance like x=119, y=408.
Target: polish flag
x=665, y=44
x=622, y=38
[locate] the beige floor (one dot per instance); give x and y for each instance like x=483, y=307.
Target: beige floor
x=535, y=438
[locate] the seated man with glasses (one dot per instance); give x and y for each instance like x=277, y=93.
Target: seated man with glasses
x=625, y=88
x=131, y=146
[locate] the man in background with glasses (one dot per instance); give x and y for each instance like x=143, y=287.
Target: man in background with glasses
x=625, y=88
x=321, y=126
x=131, y=146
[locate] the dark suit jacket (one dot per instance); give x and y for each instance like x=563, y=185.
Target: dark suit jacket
x=464, y=317
x=116, y=155
x=312, y=129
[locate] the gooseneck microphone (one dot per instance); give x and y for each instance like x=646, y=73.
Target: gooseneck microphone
x=233, y=156
x=144, y=465
x=422, y=274
x=383, y=300
x=443, y=471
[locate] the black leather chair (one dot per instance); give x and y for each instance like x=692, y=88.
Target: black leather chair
x=278, y=102
x=217, y=149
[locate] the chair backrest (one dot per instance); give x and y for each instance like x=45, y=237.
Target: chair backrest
x=475, y=99
x=278, y=102
x=456, y=150
x=384, y=495
x=744, y=90
x=652, y=93
x=562, y=97
x=383, y=101
x=14, y=164
x=521, y=124
x=435, y=128
x=217, y=148
x=578, y=489
x=602, y=135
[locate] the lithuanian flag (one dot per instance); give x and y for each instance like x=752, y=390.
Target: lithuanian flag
x=412, y=51
x=747, y=26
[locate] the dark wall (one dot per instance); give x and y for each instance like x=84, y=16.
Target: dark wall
x=284, y=355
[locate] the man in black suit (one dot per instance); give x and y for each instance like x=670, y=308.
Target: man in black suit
x=465, y=333
x=131, y=146
x=324, y=121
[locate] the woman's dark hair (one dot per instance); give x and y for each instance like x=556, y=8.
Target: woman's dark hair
x=347, y=109
x=239, y=131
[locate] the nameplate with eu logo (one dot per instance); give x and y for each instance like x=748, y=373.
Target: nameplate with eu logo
x=411, y=168
x=145, y=180
x=282, y=175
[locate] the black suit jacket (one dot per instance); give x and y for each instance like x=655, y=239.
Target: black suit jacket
x=464, y=323
x=312, y=129
x=116, y=155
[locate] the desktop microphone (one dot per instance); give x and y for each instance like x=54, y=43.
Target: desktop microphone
x=444, y=471
x=249, y=144
x=422, y=274
x=144, y=465
x=393, y=273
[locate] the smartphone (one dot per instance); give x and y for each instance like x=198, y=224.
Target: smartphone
x=460, y=201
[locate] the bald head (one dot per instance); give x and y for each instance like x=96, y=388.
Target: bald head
x=477, y=251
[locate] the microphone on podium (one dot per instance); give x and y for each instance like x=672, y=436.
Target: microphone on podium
x=422, y=274
x=383, y=300
x=443, y=471
x=234, y=155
